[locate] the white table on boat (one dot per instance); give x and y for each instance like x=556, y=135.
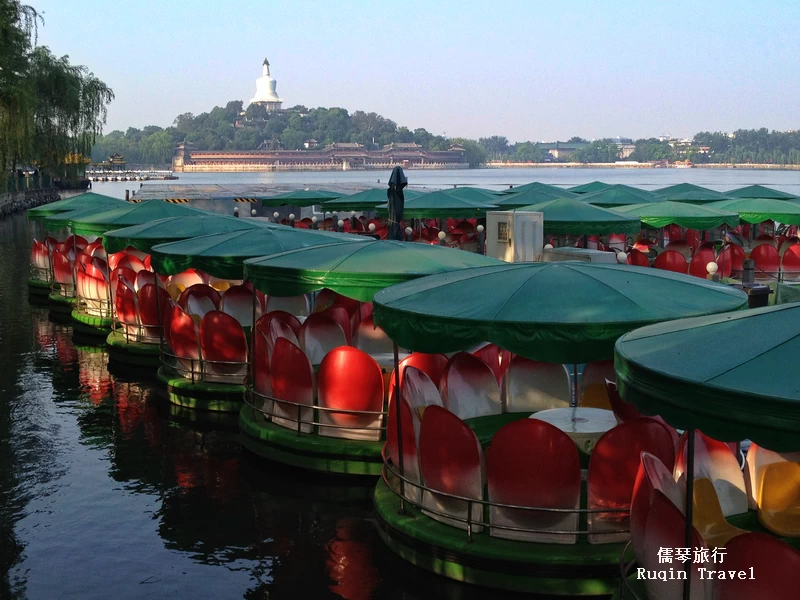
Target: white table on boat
x=583, y=425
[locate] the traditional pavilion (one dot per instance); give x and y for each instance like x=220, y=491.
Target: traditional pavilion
x=266, y=93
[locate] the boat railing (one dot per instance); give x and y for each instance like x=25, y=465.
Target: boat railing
x=40, y=273
x=199, y=370
x=315, y=410
x=625, y=571
x=135, y=331
x=401, y=485
x=97, y=307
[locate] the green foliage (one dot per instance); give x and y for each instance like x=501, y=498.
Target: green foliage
x=474, y=152
x=652, y=149
x=528, y=152
x=51, y=111
x=599, y=151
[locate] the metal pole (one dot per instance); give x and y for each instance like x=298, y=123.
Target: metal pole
x=253, y=335
x=690, y=442
x=574, y=384
x=398, y=415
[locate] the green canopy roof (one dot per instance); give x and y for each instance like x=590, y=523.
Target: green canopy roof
x=731, y=376
x=758, y=210
x=691, y=216
x=301, y=198
x=694, y=196
x=680, y=188
x=536, y=185
x=132, y=214
x=441, y=205
x=759, y=191
x=364, y=201
x=64, y=219
x=590, y=188
x=619, y=195
x=223, y=254
x=87, y=200
x=143, y=237
x=473, y=193
x=355, y=271
x=567, y=216
x=528, y=197
x=560, y=312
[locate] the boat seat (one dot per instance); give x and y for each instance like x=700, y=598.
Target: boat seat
x=532, y=463
x=451, y=461
x=757, y=460
x=410, y=422
x=496, y=358
x=715, y=460
x=279, y=329
x=149, y=299
x=187, y=278
x=592, y=392
x=350, y=379
x=175, y=290
x=200, y=290
x=707, y=516
x=291, y=379
x=613, y=468
x=779, y=510
x=340, y=315
x=184, y=340
x=652, y=476
x=294, y=305
x=240, y=302
x=432, y=365
x=419, y=391
x=469, y=387
x=775, y=566
x=670, y=260
x=534, y=386
x=319, y=335
x=372, y=339
x=222, y=340
x=666, y=528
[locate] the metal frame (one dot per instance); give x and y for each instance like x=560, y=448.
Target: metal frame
x=316, y=409
x=388, y=472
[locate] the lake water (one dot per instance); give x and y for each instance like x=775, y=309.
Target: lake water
x=106, y=492
x=497, y=179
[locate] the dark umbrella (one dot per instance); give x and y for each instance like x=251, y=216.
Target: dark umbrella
x=397, y=181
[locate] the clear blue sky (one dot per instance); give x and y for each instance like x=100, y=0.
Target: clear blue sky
x=538, y=70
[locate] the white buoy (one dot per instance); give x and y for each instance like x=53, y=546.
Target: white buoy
x=253, y=213
x=372, y=226
x=622, y=257
x=712, y=268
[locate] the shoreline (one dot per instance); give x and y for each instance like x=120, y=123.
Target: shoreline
x=573, y=165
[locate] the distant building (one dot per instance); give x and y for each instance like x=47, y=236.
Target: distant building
x=266, y=90
x=625, y=150
x=115, y=162
x=341, y=156
x=311, y=144
x=562, y=150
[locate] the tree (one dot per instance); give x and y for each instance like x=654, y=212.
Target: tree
x=528, y=152
x=576, y=139
x=51, y=111
x=496, y=146
x=474, y=153
x=599, y=151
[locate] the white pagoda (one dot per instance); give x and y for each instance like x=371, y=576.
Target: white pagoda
x=266, y=93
